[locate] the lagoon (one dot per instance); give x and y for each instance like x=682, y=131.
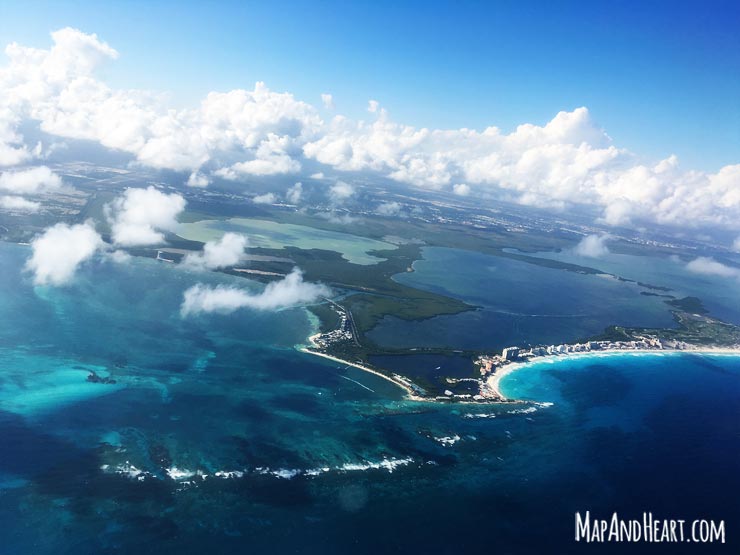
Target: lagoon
x=269, y=234
x=519, y=303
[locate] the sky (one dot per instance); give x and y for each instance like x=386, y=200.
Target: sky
x=627, y=110
x=661, y=78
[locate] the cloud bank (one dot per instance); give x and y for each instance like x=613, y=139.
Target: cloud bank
x=290, y=291
x=567, y=162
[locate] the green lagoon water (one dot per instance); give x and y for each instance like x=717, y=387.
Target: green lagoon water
x=219, y=437
x=268, y=234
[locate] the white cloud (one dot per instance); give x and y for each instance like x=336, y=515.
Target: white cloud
x=138, y=216
x=461, y=189
x=327, y=100
x=120, y=257
x=58, y=88
x=267, y=198
x=60, y=250
x=31, y=181
x=12, y=149
x=272, y=164
x=593, y=246
x=317, y=175
x=18, y=204
x=388, y=209
x=568, y=161
x=197, y=179
x=337, y=217
x=289, y=291
x=225, y=252
x=736, y=245
x=710, y=267
x=341, y=191
x=294, y=194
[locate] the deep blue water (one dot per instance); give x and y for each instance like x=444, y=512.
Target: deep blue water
x=328, y=465
x=519, y=303
x=719, y=294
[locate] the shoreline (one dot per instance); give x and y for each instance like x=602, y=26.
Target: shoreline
x=411, y=394
x=494, y=380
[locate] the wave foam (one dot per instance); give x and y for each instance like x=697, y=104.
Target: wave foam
x=448, y=440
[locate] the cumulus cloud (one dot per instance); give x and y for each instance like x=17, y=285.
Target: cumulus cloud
x=736, y=245
x=341, y=191
x=60, y=250
x=267, y=198
x=12, y=149
x=388, y=209
x=58, y=88
x=461, y=189
x=710, y=267
x=593, y=246
x=139, y=216
x=225, y=252
x=327, y=100
x=569, y=161
x=18, y=204
x=120, y=257
x=197, y=179
x=271, y=164
x=289, y=291
x=341, y=218
x=294, y=194
x=30, y=181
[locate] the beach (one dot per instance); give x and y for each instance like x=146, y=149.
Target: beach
x=494, y=380
x=407, y=388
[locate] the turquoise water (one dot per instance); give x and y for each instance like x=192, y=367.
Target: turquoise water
x=268, y=234
x=519, y=303
x=219, y=437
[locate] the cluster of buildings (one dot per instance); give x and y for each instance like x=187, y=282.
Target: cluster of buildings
x=489, y=364
x=342, y=333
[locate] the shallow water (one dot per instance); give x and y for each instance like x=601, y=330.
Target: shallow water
x=268, y=234
x=219, y=437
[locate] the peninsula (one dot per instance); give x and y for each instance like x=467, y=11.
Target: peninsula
x=695, y=332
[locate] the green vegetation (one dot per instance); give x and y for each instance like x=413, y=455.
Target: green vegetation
x=693, y=327
x=689, y=304
x=377, y=295
x=328, y=317
x=696, y=329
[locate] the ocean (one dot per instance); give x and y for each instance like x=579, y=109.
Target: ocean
x=218, y=436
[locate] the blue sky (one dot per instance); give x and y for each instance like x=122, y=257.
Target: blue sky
x=660, y=77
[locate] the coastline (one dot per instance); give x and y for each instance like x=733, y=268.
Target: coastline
x=494, y=380
x=411, y=394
